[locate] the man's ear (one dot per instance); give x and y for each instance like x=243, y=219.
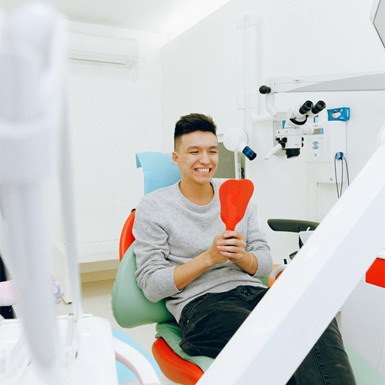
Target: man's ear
x=175, y=157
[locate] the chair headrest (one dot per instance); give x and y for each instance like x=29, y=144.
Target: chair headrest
x=159, y=170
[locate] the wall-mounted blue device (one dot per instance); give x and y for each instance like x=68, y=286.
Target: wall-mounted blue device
x=340, y=113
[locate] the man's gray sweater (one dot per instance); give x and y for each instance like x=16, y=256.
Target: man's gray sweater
x=170, y=230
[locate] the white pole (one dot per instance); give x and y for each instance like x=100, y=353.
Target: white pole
x=248, y=75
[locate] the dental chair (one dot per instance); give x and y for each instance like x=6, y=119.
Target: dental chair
x=130, y=306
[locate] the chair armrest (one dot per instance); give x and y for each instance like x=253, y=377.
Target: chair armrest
x=291, y=225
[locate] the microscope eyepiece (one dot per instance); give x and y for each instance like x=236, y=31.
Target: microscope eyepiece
x=306, y=107
x=319, y=106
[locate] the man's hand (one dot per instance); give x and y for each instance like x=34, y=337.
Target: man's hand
x=232, y=245
x=227, y=246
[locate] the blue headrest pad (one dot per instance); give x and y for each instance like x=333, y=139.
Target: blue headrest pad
x=158, y=169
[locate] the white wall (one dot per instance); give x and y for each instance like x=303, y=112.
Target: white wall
x=113, y=114
x=200, y=73
x=112, y=118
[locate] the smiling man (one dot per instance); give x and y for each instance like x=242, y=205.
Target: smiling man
x=209, y=275
x=182, y=248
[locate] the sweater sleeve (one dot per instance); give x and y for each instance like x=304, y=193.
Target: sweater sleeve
x=257, y=244
x=155, y=273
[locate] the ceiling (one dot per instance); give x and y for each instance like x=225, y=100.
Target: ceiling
x=169, y=17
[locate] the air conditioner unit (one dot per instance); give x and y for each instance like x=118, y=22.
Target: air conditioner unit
x=101, y=47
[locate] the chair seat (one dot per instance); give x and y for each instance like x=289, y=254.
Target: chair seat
x=175, y=363
x=170, y=332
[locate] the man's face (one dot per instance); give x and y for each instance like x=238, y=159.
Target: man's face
x=197, y=156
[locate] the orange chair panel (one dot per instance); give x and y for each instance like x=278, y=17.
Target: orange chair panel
x=376, y=273
x=173, y=366
x=126, y=236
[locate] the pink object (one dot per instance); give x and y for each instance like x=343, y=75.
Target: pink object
x=7, y=293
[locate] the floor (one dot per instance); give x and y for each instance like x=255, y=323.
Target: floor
x=97, y=301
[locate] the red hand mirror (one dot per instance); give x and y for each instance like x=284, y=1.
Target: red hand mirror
x=234, y=196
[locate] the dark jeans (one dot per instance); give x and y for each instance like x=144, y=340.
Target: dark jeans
x=209, y=322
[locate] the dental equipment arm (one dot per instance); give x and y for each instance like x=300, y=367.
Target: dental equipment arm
x=328, y=273
x=68, y=212
x=31, y=75
x=26, y=137
x=39, y=348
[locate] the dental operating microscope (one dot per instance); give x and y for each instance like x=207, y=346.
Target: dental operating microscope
x=297, y=123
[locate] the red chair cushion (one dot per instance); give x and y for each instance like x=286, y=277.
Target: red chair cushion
x=126, y=236
x=174, y=367
x=376, y=273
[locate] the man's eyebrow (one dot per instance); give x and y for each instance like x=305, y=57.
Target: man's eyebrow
x=193, y=147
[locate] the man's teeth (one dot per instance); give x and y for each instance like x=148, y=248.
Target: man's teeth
x=203, y=169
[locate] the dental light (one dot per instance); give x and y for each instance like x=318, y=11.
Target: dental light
x=236, y=140
x=295, y=126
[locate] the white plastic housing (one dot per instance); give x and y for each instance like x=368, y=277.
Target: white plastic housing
x=312, y=289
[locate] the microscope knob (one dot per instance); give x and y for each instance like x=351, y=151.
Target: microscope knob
x=264, y=90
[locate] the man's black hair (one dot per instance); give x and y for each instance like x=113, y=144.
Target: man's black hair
x=194, y=122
